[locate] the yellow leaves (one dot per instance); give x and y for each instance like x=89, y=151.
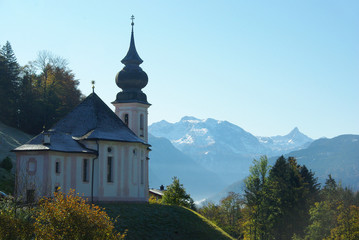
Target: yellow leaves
x=68, y=216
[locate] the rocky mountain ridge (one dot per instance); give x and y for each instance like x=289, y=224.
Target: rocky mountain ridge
x=223, y=147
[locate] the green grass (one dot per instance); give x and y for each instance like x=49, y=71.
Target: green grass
x=155, y=221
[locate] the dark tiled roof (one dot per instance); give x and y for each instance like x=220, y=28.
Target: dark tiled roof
x=59, y=142
x=92, y=119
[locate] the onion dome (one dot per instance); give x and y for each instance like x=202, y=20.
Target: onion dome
x=131, y=79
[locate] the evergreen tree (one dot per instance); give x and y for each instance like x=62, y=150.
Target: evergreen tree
x=176, y=194
x=6, y=164
x=9, y=82
x=294, y=190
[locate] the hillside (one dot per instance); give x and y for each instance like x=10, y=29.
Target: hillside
x=10, y=138
x=161, y=222
x=337, y=156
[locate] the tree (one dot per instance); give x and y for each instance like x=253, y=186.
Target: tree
x=347, y=223
x=176, y=195
x=38, y=94
x=256, y=219
x=6, y=164
x=48, y=91
x=9, y=81
x=322, y=220
x=68, y=216
x=227, y=215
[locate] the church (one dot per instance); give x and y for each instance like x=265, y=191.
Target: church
x=101, y=154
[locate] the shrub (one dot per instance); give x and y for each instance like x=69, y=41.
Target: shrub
x=68, y=216
x=15, y=221
x=154, y=200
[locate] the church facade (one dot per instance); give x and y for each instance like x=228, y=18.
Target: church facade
x=101, y=154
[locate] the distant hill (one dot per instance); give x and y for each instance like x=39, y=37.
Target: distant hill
x=337, y=156
x=237, y=187
x=162, y=222
x=223, y=147
x=166, y=161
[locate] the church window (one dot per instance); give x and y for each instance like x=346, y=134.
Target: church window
x=126, y=119
x=142, y=124
x=85, y=170
x=109, y=149
x=142, y=171
x=109, y=169
x=57, y=167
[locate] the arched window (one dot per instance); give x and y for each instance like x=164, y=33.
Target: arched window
x=142, y=125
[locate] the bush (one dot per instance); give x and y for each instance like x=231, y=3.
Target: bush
x=6, y=164
x=68, y=216
x=15, y=221
x=154, y=200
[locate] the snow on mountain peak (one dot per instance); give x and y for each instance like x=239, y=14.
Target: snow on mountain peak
x=189, y=119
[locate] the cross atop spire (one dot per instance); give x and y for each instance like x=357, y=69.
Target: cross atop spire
x=132, y=18
x=132, y=56
x=93, y=86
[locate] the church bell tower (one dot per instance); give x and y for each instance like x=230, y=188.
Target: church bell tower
x=131, y=104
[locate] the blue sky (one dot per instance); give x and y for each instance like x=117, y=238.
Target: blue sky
x=267, y=66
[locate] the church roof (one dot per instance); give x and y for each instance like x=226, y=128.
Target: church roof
x=92, y=119
x=60, y=142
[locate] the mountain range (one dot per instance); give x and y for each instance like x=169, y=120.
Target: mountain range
x=223, y=147
x=227, y=151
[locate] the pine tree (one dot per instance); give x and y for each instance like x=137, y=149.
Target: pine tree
x=9, y=82
x=176, y=194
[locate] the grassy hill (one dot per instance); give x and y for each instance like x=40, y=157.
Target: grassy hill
x=161, y=222
x=10, y=138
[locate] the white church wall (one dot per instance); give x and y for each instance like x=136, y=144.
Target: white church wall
x=29, y=175
x=126, y=163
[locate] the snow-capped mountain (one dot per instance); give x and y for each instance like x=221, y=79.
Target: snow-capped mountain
x=190, y=131
x=223, y=147
x=294, y=140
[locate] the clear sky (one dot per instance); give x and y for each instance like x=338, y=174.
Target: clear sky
x=267, y=66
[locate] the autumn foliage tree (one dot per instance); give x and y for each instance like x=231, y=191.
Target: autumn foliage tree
x=38, y=94
x=68, y=216
x=227, y=214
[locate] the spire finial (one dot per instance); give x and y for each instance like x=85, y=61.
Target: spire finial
x=132, y=18
x=93, y=86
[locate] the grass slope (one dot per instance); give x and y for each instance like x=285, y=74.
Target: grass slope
x=155, y=221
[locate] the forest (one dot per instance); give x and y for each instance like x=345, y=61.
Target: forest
x=35, y=96
x=285, y=201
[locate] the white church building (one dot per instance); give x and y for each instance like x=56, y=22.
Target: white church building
x=100, y=153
